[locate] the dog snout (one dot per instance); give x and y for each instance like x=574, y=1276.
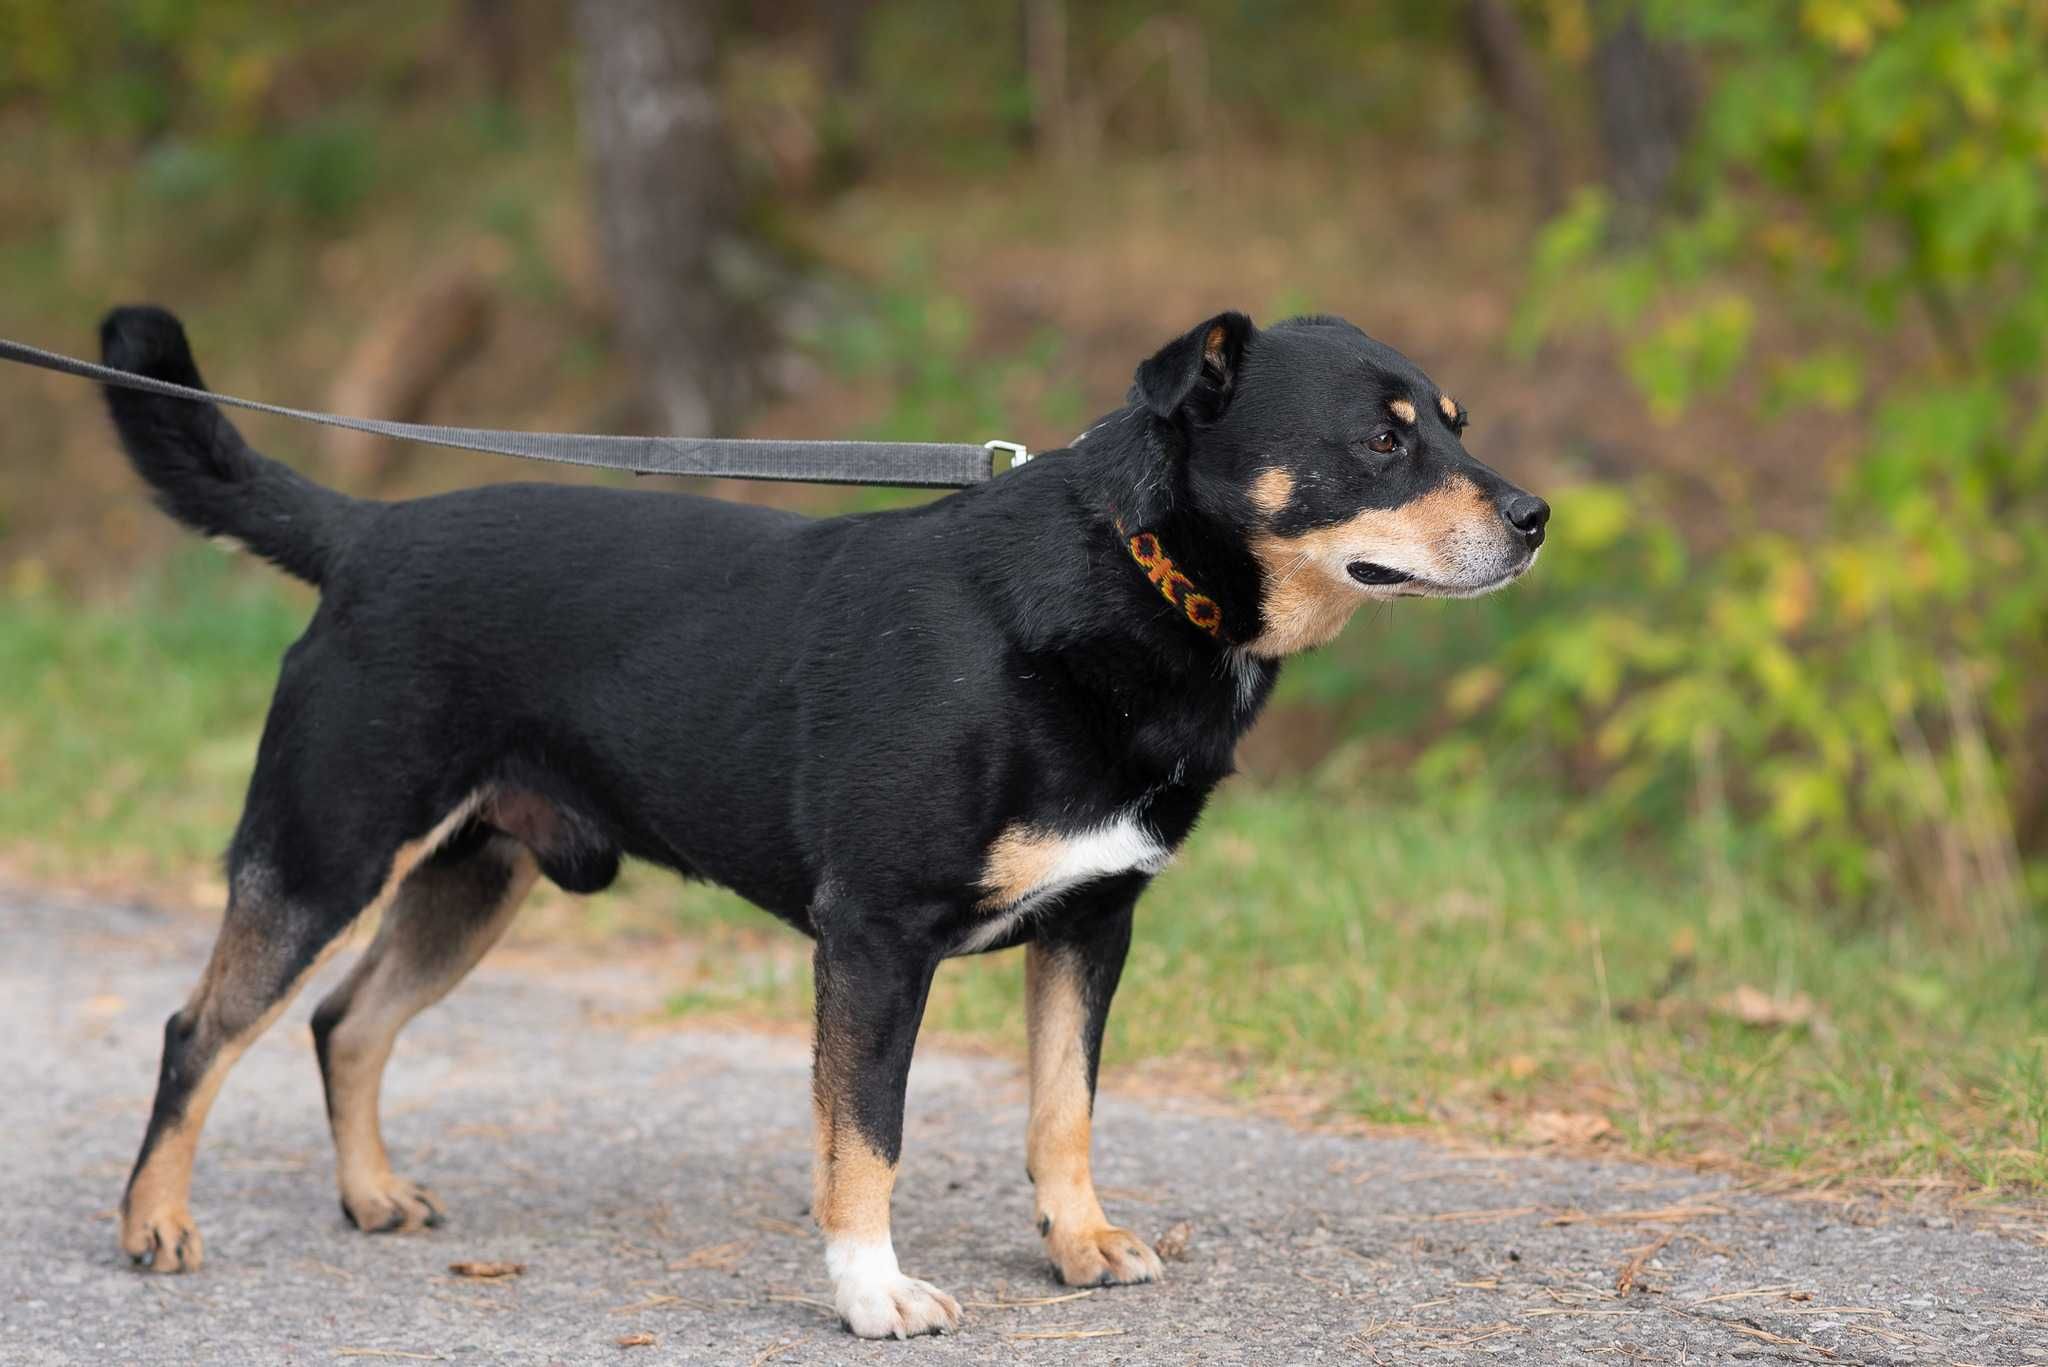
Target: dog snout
x=1527, y=514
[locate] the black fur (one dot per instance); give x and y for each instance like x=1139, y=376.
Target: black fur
x=204, y=474
x=835, y=718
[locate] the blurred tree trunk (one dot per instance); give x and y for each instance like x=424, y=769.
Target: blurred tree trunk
x=492, y=27
x=1646, y=99
x=433, y=324
x=1512, y=80
x=666, y=196
x=846, y=48
x=1042, y=29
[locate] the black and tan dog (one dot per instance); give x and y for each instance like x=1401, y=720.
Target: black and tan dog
x=980, y=723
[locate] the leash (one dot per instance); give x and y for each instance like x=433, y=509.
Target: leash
x=907, y=464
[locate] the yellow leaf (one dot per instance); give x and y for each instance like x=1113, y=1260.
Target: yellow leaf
x=1791, y=596
x=1474, y=689
x=1753, y=1006
x=1572, y=1129
x=1849, y=26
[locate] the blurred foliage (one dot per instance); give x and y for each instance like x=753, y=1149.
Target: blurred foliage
x=948, y=80
x=135, y=69
x=221, y=94
x=1858, y=249
x=1877, y=695
x=131, y=727
x=915, y=344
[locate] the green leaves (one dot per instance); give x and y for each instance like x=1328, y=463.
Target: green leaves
x=1887, y=167
x=1830, y=379
x=1695, y=353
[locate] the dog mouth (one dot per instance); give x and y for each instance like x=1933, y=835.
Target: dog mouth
x=1401, y=583
x=1376, y=576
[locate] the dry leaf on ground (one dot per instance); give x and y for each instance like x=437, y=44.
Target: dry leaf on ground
x=1172, y=1246
x=1753, y=1006
x=643, y=1339
x=717, y=1257
x=484, y=1271
x=1568, y=1127
x=1631, y=1273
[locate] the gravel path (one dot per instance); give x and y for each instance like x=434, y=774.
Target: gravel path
x=653, y=1182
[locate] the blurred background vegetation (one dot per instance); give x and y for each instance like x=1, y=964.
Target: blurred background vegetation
x=1726, y=834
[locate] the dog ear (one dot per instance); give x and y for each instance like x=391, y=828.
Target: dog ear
x=1197, y=371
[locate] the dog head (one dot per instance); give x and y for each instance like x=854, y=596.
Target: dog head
x=1340, y=468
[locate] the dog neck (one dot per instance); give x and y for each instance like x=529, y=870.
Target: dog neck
x=1202, y=612
x=1132, y=473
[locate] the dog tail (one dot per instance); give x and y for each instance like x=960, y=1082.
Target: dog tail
x=204, y=474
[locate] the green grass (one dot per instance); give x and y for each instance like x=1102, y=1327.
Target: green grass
x=129, y=727
x=1465, y=965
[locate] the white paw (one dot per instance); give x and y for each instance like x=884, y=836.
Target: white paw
x=878, y=1302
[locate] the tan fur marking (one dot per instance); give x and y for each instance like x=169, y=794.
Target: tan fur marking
x=1271, y=491
x=1079, y=1239
x=850, y=1182
x=159, y=1196
x=1403, y=410
x=1307, y=598
x=1212, y=346
x=413, y=851
x=1019, y=859
x=1057, y=1141
x=157, y=1199
x=857, y=1189
x=1449, y=407
x=394, y=981
x=821, y=1152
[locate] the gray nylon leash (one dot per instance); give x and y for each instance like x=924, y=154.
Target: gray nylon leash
x=908, y=464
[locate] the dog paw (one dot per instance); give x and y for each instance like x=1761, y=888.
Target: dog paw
x=896, y=1307
x=1102, y=1257
x=162, y=1240
x=392, y=1206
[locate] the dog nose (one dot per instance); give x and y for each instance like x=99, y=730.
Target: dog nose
x=1527, y=513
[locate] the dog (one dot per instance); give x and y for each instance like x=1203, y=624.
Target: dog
x=980, y=723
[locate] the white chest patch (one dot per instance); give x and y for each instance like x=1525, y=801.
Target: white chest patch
x=1030, y=865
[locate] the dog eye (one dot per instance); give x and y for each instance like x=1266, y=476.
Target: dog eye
x=1383, y=442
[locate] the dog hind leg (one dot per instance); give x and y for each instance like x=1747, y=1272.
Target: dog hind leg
x=447, y=914
x=267, y=947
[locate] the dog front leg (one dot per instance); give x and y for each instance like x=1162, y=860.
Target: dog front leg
x=1068, y=984
x=870, y=1003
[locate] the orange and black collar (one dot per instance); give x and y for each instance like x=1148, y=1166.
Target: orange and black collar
x=1175, y=587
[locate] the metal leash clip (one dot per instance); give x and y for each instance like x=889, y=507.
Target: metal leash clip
x=1018, y=455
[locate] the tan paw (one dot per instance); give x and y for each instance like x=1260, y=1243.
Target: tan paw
x=392, y=1206
x=162, y=1240
x=1101, y=1257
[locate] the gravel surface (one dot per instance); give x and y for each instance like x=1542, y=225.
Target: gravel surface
x=653, y=1181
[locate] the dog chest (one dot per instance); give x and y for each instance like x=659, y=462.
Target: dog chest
x=1029, y=864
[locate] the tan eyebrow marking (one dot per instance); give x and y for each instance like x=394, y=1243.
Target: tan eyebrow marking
x=1450, y=408
x=1403, y=410
x=1271, y=490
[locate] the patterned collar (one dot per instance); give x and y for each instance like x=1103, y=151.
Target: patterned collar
x=1175, y=587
